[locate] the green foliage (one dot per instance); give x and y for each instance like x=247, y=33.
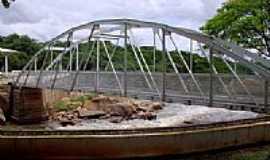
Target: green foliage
x=69, y=104
x=90, y=95
x=246, y=22
x=22, y=43
x=61, y=106
x=81, y=99
x=28, y=47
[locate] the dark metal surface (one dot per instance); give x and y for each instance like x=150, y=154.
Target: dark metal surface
x=33, y=132
x=106, y=144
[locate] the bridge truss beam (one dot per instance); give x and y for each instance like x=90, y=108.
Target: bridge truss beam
x=105, y=30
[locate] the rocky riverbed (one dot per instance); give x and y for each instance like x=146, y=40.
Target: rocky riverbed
x=72, y=111
x=98, y=112
x=108, y=112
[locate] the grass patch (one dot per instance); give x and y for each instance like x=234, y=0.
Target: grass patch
x=90, y=96
x=66, y=105
x=60, y=106
x=78, y=99
x=83, y=98
x=72, y=103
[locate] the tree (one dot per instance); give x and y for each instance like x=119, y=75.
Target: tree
x=6, y=3
x=22, y=43
x=27, y=47
x=246, y=22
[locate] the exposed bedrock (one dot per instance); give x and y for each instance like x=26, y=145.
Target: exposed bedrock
x=112, y=108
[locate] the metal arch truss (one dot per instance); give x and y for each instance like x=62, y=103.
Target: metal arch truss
x=102, y=30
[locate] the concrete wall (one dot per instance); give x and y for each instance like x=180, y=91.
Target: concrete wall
x=137, y=82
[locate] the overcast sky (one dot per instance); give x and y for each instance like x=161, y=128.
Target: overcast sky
x=44, y=19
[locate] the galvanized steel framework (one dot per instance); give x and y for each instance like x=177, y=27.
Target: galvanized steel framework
x=102, y=29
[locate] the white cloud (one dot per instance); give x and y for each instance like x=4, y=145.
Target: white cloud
x=45, y=19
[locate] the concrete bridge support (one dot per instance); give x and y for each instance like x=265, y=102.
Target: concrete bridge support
x=27, y=105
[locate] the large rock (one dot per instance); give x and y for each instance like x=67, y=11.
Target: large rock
x=148, y=106
x=66, y=122
x=155, y=106
x=91, y=105
x=116, y=119
x=146, y=115
x=120, y=109
x=114, y=109
x=84, y=113
x=105, y=99
x=66, y=118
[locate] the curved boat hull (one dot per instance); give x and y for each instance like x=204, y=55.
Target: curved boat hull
x=130, y=143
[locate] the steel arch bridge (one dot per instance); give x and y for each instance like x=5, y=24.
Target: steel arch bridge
x=71, y=68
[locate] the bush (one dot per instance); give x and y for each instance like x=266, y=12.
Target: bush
x=61, y=106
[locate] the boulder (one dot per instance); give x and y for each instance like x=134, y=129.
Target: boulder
x=150, y=116
x=142, y=108
x=90, y=105
x=91, y=114
x=155, y=106
x=66, y=122
x=114, y=109
x=120, y=109
x=104, y=99
x=146, y=115
x=107, y=116
x=66, y=118
x=71, y=116
x=116, y=119
x=60, y=115
x=188, y=122
x=148, y=106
